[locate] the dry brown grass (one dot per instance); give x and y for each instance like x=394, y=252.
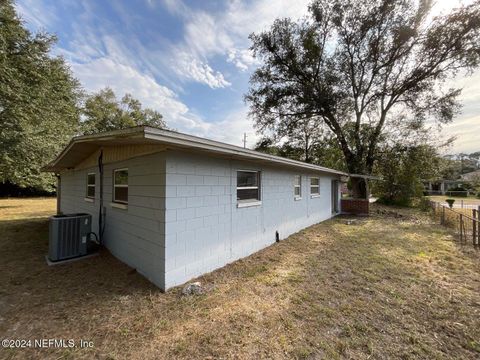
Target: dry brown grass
x=386, y=287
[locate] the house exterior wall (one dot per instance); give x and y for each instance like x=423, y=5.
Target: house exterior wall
x=205, y=229
x=134, y=235
x=182, y=218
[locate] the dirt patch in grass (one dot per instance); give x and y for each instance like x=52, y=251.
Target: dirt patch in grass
x=383, y=287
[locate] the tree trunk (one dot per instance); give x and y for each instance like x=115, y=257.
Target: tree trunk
x=359, y=188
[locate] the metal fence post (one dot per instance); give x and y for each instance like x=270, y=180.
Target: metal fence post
x=461, y=227
x=478, y=225
x=474, y=223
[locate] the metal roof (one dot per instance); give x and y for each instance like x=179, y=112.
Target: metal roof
x=82, y=146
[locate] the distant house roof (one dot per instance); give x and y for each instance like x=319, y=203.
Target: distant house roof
x=471, y=175
x=81, y=147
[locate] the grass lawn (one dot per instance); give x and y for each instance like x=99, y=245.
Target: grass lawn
x=384, y=287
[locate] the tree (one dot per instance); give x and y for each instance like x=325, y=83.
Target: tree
x=316, y=150
x=363, y=68
x=38, y=103
x=103, y=112
x=403, y=168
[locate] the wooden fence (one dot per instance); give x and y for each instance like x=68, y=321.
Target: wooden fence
x=465, y=222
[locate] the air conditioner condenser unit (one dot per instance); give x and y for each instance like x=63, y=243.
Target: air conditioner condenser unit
x=69, y=236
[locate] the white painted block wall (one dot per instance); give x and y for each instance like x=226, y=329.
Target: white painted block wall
x=134, y=235
x=205, y=230
x=182, y=219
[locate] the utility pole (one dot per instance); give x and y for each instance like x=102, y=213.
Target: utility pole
x=244, y=140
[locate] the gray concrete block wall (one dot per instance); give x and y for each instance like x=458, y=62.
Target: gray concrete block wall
x=205, y=230
x=134, y=235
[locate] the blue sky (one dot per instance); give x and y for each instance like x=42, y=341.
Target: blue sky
x=187, y=59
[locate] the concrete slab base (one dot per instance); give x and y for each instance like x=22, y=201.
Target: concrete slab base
x=60, y=262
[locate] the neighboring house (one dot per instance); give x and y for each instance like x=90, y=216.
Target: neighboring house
x=471, y=176
x=177, y=206
x=442, y=187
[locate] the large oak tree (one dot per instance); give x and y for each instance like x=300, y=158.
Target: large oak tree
x=39, y=103
x=364, y=68
x=102, y=111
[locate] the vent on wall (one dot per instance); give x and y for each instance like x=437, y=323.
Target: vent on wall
x=69, y=236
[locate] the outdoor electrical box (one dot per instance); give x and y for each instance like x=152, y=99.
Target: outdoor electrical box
x=69, y=236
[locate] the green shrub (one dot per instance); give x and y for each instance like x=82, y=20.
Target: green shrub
x=424, y=204
x=403, y=202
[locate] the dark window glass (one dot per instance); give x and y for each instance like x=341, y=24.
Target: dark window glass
x=315, y=186
x=91, y=191
x=248, y=185
x=120, y=186
x=121, y=177
x=121, y=194
x=247, y=178
x=91, y=179
x=297, y=191
x=297, y=186
x=248, y=194
x=91, y=185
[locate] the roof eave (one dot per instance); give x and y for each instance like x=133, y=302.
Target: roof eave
x=185, y=141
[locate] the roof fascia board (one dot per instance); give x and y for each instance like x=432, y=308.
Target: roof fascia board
x=222, y=148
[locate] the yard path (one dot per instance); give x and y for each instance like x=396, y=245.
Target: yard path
x=383, y=287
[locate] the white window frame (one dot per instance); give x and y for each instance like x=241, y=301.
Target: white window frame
x=299, y=186
x=91, y=185
x=115, y=201
x=256, y=202
x=315, y=194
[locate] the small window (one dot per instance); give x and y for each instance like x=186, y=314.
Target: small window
x=91, y=185
x=248, y=186
x=120, y=186
x=314, y=186
x=297, y=186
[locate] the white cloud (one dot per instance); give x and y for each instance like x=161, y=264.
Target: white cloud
x=190, y=67
x=232, y=128
x=242, y=59
x=36, y=13
x=103, y=72
x=224, y=34
x=100, y=57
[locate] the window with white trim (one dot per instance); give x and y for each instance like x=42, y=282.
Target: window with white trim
x=297, y=186
x=314, y=186
x=120, y=186
x=91, y=185
x=248, y=186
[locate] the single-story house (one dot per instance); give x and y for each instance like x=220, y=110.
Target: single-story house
x=175, y=206
x=471, y=176
x=442, y=186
